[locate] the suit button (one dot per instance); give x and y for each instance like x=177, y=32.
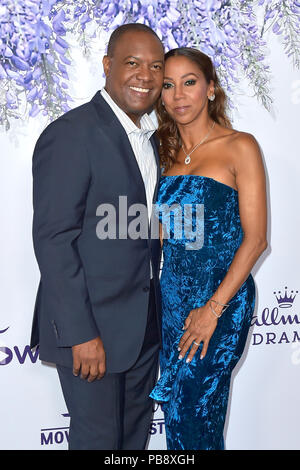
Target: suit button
x=146, y=289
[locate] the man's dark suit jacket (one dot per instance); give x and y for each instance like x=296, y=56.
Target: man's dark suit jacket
x=89, y=287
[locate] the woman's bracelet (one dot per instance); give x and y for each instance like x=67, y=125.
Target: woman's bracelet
x=219, y=303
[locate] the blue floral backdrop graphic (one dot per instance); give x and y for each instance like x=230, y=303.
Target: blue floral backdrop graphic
x=35, y=53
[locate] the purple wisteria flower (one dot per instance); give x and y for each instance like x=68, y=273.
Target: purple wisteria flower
x=33, y=59
x=35, y=54
x=283, y=18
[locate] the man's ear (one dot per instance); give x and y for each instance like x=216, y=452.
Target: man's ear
x=106, y=61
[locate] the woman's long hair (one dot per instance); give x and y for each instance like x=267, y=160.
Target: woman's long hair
x=168, y=134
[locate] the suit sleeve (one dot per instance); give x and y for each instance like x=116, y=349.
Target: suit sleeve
x=61, y=180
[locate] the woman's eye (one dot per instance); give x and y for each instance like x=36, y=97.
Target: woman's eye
x=167, y=85
x=190, y=82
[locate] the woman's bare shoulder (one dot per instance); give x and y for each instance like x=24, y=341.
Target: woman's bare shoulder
x=246, y=153
x=243, y=147
x=244, y=141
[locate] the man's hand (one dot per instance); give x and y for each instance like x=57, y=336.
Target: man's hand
x=90, y=358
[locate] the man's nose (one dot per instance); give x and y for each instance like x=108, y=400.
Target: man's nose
x=144, y=73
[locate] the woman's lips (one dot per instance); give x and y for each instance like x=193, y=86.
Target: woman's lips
x=181, y=109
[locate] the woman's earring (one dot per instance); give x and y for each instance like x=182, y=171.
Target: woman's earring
x=211, y=97
x=162, y=103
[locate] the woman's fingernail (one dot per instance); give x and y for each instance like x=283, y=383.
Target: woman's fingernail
x=178, y=349
x=188, y=360
x=180, y=357
x=201, y=357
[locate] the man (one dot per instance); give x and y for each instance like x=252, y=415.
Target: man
x=97, y=314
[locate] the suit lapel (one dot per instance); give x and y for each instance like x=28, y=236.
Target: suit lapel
x=155, y=143
x=111, y=126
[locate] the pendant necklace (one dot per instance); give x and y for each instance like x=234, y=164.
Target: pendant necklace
x=188, y=155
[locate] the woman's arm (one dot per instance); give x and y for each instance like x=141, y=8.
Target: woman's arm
x=161, y=234
x=250, y=181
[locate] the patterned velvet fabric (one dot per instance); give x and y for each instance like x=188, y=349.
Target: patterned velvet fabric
x=194, y=395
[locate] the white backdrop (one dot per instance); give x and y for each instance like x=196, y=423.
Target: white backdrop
x=264, y=408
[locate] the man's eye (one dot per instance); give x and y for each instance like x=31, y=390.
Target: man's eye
x=131, y=62
x=190, y=82
x=167, y=85
x=157, y=67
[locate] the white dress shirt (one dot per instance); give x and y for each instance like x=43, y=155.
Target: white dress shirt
x=139, y=139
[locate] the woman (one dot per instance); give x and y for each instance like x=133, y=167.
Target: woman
x=207, y=291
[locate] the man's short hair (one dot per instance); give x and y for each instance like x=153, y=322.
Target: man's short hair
x=118, y=33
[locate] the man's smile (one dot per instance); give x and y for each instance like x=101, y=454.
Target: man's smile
x=140, y=90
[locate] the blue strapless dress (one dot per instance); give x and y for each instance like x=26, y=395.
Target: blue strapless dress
x=194, y=396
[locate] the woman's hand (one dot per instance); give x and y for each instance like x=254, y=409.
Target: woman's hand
x=199, y=325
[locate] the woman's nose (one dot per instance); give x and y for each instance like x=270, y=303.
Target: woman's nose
x=178, y=92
